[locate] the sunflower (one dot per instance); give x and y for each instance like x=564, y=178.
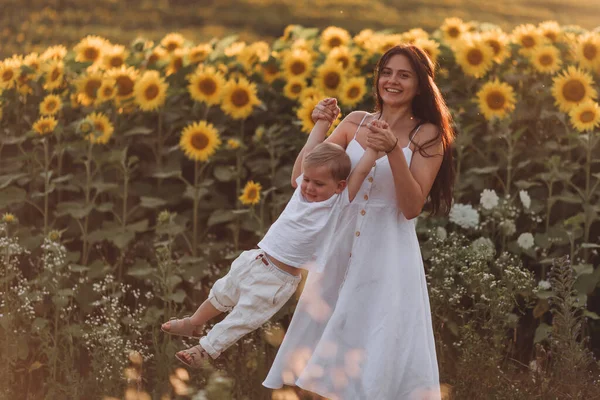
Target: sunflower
x=297, y=64
x=333, y=37
x=294, y=88
x=330, y=77
x=206, y=85
x=572, y=87
x=551, y=30
x=528, y=37
x=9, y=218
x=90, y=49
x=499, y=42
x=386, y=42
x=199, y=53
x=585, y=116
x=45, y=125
x=546, y=59
x=343, y=56
x=496, y=99
x=33, y=62
x=233, y=144
x=364, y=36
x=475, y=57
x=234, y=49
x=251, y=193
x=177, y=60
x=50, y=105
x=87, y=87
x=10, y=69
x=172, y=41
x=114, y=56
x=304, y=114
x=199, y=141
x=107, y=91
x=311, y=92
x=353, y=91
x=587, y=51
x=150, y=91
x=157, y=54
x=124, y=78
x=257, y=52
x=239, y=98
x=54, y=74
x=414, y=35
x=103, y=129
x=270, y=71
x=288, y=32
x=430, y=47
x=453, y=29
x=54, y=53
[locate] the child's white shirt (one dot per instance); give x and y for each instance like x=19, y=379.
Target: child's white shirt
x=297, y=235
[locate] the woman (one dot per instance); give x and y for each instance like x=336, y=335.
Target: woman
x=362, y=329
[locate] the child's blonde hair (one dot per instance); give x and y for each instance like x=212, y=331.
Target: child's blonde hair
x=331, y=155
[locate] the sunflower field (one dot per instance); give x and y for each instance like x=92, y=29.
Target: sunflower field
x=133, y=174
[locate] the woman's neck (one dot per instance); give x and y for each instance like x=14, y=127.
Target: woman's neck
x=398, y=117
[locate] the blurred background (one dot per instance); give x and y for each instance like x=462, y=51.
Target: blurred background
x=32, y=25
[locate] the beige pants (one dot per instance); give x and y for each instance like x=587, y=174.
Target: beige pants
x=253, y=290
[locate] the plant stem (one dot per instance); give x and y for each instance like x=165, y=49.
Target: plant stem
x=588, y=192
x=159, y=145
x=195, y=210
x=46, y=183
x=88, y=184
x=238, y=188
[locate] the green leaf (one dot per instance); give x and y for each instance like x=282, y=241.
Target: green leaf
x=74, y=209
x=591, y=314
x=139, y=130
x=542, y=333
x=178, y=296
x=104, y=187
x=65, y=292
x=104, y=207
x=167, y=174
x=173, y=281
x=583, y=269
x=220, y=216
x=12, y=195
x=224, y=173
x=122, y=239
x=152, y=202
x=139, y=226
x=6, y=180
x=484, y=170
x=63, y=178
x=190, y=192
x=140, y=269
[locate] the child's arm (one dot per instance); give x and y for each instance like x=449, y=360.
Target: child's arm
x=317, y=136
x=361, y=171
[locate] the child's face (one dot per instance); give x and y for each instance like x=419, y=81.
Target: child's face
x=318, y=184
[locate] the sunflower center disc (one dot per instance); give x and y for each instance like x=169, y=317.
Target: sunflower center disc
x=453, y=32
x=7, y=75
x=199, y=141
x=55, y=74
x=475, y=57
x=546, y=60
x=332, y=80
x=240, y=98
x=574, y=91
x=207, y=86
x=353, y=92
x=151, y=92
x=125, y=85
x=334, y=42
x=590, y=51
x=91, y=53
x=116, y=61
x=528, y=41
x=587, y=116
x=496, y=100
x=298, y=68
x=494, y=45
x=92, y=87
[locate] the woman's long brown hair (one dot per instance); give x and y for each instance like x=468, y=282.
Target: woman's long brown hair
x=427, y=106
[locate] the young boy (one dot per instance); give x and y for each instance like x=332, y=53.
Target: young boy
x=261, y=281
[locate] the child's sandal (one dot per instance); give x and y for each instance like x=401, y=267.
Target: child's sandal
x=194, y=357
x=181, y=327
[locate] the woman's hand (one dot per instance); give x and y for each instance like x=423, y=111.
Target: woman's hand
x=380, y=137
x=327, y=109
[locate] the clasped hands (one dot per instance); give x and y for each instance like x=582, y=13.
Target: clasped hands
x=379, y=136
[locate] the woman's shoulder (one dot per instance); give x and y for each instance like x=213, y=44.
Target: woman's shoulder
x=356, y=116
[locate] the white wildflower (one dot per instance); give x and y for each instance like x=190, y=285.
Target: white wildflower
x=441, y=233
x=508, y=227
x=485, y=247
x=489, y=199
x=464, y=215
x=525, y=199
x=525, y=240
x=544, y=285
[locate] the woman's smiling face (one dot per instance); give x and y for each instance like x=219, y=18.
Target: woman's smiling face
x=398, y=83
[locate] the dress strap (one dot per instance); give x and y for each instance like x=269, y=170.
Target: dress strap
x=359, y=125
x=414, y=132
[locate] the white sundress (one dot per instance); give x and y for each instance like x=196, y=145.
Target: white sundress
x=362, y=329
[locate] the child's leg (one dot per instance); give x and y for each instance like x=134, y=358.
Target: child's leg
x=203, y=314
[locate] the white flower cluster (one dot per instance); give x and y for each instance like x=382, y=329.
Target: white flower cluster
x=525, y=199
x=489, y=199
x=525, y=240
x=464, y=215
x=485, y=247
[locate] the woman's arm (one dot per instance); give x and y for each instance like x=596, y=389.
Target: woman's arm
x=412, y=184
x=361, y=171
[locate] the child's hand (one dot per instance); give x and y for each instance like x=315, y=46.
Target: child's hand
x=327, y=109
x=379, y=136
